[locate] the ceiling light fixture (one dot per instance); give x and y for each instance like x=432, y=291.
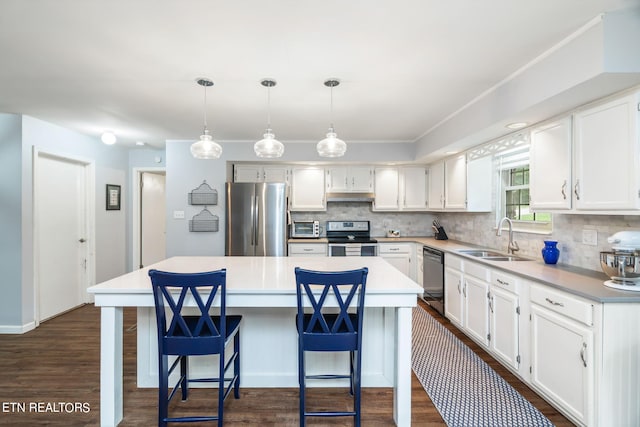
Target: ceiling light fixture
x=206, y=148
x=269, y=146
x=517, y=125
x=108, y=138
x=331, y=146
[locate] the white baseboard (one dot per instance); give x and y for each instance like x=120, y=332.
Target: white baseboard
x=12, y=329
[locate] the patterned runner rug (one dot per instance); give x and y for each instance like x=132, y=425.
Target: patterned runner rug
x=464, y=389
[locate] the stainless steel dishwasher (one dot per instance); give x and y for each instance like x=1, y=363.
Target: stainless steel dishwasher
x=433, y=278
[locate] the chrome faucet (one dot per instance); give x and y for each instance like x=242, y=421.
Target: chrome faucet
x=513, y=246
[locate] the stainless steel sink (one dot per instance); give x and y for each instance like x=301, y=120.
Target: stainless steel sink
x=505, y=258
x=480, y=253
x=491, y=255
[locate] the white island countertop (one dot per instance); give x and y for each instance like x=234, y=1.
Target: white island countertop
x=265, y=276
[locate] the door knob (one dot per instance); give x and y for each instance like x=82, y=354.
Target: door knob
x=82, y=240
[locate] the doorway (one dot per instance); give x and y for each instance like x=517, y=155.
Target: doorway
x=149, y=217
x=63, y=233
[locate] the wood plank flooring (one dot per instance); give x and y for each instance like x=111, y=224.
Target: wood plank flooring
x=51, y=376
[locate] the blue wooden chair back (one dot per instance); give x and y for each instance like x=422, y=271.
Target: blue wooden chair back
x=189, y=334
x=330, y=327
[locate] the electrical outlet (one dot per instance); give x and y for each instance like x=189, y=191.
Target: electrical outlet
x=178, y=214
x=590, y=237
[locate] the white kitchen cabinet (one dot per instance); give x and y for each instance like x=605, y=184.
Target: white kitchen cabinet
x=458, y=184
x=550, y=180
x=563, y=361
x=413, y=188
x=419, y=264
x=261, y=173
x=453, y=292
x=455, y=182
x=476, y=314
x=346, y=179
x=504, y=313
x=590, y=162
x=436, y=186
x=386, y=186
x=606, y=156
x=398, y=255
x=308, y=249
x=307, y=189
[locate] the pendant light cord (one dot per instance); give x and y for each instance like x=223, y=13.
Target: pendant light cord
x=205, y=108
x=268, y=107
x=331, y=109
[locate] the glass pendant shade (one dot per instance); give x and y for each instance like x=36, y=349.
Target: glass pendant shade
x=331, y=146
x=206, y=148
x=269, y=147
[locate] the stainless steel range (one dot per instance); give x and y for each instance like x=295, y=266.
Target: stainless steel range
x=350, y=238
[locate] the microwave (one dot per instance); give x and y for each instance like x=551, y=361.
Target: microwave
x=305, y=229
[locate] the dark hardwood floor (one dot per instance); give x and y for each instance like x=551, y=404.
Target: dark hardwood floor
x=51, y=376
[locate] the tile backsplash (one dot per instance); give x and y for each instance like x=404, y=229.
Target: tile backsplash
x=479, y=229
x=567, y=230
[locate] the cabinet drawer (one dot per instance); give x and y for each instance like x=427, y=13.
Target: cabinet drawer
x=297, y=249
x=453, y=261
x=563, y=303
x=505, y=281
x=386, y=248
x=477, y=270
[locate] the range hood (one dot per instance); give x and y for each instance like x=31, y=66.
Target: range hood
x=350, y=197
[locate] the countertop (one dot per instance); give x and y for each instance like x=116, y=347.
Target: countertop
x=577, y=281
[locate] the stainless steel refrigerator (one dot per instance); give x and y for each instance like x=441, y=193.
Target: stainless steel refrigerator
x=256, y=219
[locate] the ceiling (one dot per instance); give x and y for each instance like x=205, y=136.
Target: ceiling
x=404, y=65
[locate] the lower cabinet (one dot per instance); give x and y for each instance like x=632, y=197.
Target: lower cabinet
x=580, y=355
x=308, y=249
x=562, y=351
x=505, y=311
x=398, y=255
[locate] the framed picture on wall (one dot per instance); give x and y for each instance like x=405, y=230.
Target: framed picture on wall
x=113, y=197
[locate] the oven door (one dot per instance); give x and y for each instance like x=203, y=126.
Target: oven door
x=352, y=249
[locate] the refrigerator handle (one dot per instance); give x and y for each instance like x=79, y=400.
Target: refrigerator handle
x=253, y=222
x=254, y=234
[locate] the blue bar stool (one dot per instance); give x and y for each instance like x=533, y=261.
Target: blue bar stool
x=327, y=327
x=194, y=335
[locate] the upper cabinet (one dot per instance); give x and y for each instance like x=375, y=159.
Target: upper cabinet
x=550, y=182
x=349, y=179
x=307, y=189
x=606, y=156
x=459, y=184
x=400, y=188
x=260, y=173
x=590, y=166
x=387, y=186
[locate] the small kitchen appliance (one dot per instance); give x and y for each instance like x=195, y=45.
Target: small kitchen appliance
x=350, y=238
x=622, y=263
x=305, y=229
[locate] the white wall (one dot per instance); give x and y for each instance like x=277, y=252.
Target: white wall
x=10, y=218
x=19, y=135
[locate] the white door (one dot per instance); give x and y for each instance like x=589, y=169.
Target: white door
x=415, y=188
x=436, y=186
x=476, y=313
x=152, y=218
x=60, y=234
x=386, y=184
x=455, y=181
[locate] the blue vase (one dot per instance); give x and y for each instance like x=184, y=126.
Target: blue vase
x=550, y=252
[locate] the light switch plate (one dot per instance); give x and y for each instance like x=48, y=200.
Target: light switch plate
x=590, y=237
x=178, y=214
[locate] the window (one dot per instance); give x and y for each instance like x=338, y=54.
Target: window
x=511, y=160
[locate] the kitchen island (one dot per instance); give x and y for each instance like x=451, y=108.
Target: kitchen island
x=262, y=289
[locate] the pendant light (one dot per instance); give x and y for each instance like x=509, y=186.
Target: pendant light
x=331, y=146
x=269, y=146
x=206, y=148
